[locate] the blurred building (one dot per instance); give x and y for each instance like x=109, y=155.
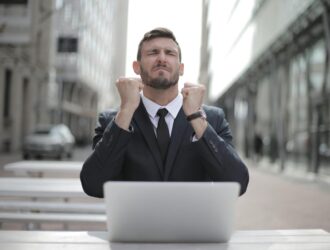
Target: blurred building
x=58, y=62
x=267, y=62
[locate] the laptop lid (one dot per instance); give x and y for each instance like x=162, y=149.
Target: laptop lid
x=170, y=211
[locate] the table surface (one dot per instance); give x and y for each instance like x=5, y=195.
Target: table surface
x=26, y=167
x=41, y=187
x=313, y=239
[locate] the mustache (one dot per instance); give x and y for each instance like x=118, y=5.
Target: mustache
x=161, y=66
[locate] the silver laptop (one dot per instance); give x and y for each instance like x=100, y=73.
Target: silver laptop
x=170, y=211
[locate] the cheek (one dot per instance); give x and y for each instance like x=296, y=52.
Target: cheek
x=148, y=59
x=147, y=64
x=176, y=64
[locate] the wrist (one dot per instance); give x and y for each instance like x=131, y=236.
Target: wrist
x=199, y=125
x=127, y=109
x=123, y=118
x=198, y=114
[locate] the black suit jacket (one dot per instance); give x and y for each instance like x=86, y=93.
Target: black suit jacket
x=134, y=156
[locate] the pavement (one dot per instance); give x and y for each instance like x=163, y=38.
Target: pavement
x=274, y=200
x=279, y=201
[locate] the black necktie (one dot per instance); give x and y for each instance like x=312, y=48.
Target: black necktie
x=163, y=136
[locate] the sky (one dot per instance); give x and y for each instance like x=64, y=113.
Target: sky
x=183, y=17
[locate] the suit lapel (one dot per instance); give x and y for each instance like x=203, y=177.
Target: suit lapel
x=141, y=120
x=179, y=132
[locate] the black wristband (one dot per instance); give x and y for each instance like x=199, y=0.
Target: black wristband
x=198, y=114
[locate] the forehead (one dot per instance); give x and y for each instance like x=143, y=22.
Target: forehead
x=160, y=43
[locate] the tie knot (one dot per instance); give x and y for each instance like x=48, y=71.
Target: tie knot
x=162, y=112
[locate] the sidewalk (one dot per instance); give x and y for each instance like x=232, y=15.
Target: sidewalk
x=292, y=170
x=280, y=201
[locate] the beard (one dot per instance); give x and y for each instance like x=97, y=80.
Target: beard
x=159, y=82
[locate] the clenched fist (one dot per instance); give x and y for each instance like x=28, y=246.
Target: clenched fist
x=192, y=97
x=129, y=92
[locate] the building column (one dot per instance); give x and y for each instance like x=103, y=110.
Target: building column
x=16, y=109
x=29, y=90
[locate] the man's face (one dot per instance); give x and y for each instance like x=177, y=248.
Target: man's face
x=160, y=65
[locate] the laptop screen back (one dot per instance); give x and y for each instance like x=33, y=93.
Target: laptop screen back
x=170, y=211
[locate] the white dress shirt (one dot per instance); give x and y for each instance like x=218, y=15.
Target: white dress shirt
x=173, y=109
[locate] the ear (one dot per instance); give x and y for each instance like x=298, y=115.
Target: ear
x=136, y=67
x=181, y=69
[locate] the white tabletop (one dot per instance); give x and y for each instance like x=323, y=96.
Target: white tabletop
x=41, y=167
x=41, y=187
x=241, y=240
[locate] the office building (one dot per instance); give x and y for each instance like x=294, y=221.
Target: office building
x=58, y=62
x=268, y=64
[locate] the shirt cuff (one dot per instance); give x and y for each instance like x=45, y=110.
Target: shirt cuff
x=194, y=138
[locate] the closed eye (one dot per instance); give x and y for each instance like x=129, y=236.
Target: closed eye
x=171, y=52
x=153, y=52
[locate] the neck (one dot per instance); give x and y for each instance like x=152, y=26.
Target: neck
x=161, y=96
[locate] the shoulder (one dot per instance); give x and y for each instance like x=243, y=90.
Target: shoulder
x=106, y=116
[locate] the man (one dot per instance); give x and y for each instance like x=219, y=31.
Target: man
x=185, y=141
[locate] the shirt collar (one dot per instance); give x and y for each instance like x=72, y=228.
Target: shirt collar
x=173, y=107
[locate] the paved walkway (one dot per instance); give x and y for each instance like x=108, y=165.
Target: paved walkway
x=277, y=201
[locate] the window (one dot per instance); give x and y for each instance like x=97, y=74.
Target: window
x=10, y=2
x=298, y=134
x=6, y=106
x=67, y=45
x=317, y=67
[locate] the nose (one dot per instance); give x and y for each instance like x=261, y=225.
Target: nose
x=161, y=56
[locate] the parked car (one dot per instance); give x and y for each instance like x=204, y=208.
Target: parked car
x=49, y=141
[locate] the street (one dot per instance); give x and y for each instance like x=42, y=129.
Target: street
x=272, y=201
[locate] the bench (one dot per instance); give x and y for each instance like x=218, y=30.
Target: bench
x=39, y=200
x=32, y=213
x=31, y=221
x=50, y=206
x=62, y=169
x=51, y=217
x=42, y=187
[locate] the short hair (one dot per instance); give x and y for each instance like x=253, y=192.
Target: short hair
x=156, y=33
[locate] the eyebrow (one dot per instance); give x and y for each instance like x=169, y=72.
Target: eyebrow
x=172, y=50
x=167, y=50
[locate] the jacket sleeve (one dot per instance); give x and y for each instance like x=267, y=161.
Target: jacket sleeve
x=106, y=160
x=221, y=159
